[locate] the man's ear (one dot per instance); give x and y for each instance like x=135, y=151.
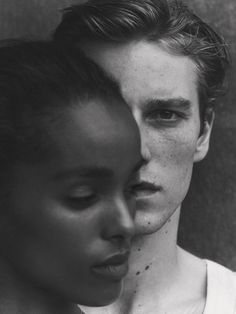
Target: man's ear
x=204, y=138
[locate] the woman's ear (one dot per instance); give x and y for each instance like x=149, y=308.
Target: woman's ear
x=204, y=138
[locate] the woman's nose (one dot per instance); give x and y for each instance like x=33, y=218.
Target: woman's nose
x=119, y=223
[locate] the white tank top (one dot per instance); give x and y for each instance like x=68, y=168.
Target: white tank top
x=221, y=290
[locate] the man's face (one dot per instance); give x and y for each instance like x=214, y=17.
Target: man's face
x=161, y=90
x=65, y=219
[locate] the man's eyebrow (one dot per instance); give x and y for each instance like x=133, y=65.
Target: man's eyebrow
x=88, y=172
x=179, y=102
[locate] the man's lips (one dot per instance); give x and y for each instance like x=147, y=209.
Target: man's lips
x=145, y=189
x=114, y=267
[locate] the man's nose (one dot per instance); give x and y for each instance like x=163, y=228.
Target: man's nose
x=119, y=223
x=145, y=151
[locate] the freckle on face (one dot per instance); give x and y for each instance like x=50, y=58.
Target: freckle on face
x=146, y=71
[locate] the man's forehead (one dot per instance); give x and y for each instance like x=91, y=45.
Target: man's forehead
x=145, y=69
x=110, y=56
x=117, y=58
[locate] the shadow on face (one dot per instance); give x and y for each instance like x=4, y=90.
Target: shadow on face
x=68, y=221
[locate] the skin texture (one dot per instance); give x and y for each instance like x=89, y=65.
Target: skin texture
x=161, y=91
x=66, y=215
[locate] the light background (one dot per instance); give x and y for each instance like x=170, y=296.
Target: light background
x=208, y=222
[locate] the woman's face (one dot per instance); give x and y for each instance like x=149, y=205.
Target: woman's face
x=162, y=92
x=68, y=222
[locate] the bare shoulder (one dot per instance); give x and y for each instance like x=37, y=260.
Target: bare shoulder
x=190, y=291
x=193, y=272
x=221, y=290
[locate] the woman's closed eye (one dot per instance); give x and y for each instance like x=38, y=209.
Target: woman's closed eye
x=82, y=196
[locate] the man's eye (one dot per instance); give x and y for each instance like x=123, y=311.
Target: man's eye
x=162, y=115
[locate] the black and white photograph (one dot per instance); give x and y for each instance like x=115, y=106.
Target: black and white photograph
x=117, y=157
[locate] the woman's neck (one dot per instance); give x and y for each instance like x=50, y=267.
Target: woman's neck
x=19, y=296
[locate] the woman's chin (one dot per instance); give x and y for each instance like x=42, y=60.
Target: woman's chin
x=104, y=296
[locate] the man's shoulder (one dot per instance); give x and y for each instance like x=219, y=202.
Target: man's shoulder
x=221, y=289
x=219, y=274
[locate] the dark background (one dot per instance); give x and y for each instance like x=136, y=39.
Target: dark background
x=208, y=222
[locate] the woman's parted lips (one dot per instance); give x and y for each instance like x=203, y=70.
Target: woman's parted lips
x=115, y=259
x=114, y=267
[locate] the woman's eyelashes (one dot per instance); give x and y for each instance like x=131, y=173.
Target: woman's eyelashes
x=82, y=197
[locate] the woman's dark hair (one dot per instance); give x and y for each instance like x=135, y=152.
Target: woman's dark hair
x=171, y=24
x=38, y=82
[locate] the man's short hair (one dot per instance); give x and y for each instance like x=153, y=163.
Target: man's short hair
x=171, y=24
x=38, y=82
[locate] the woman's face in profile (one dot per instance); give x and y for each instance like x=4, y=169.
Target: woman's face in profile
x=68, y=222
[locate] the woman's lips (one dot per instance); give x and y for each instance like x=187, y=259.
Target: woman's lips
x=114, y=267
x=146, y=189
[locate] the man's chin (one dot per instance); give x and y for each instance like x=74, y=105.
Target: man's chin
x=148, y=223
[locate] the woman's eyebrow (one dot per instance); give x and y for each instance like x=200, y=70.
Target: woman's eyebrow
x=89, y=172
